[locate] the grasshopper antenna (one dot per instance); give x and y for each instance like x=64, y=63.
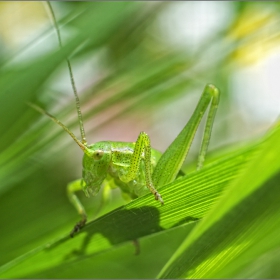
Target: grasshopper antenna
x=43, y=112
x=78, y=107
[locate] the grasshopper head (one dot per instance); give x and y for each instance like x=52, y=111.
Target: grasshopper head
x=95, y=166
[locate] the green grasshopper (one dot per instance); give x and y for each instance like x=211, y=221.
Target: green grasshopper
x=135, y=168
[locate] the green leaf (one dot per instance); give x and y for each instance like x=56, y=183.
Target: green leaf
x=243, y=225
x=187, y=199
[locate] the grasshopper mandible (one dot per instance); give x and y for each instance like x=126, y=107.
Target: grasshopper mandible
x=134, y=167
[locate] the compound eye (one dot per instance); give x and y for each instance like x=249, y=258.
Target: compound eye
x=97, y=155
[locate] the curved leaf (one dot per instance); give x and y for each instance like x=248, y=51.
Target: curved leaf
x=243, y=224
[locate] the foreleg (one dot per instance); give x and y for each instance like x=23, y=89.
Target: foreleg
x=72, y=188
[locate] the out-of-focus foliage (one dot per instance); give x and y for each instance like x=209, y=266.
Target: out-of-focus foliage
x=133, y=75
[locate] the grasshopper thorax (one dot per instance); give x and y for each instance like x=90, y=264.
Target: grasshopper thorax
x=95, y=166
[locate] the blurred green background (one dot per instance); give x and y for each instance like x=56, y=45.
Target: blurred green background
x=138, y=66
